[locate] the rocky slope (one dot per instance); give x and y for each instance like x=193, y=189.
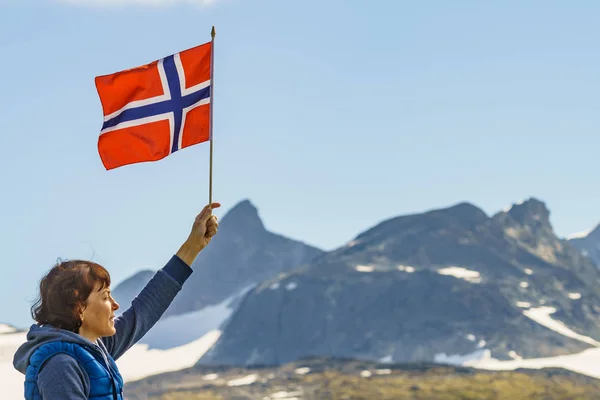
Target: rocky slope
x=589, y=245
x=422, y=287
x=244, y=253
x=347, y=379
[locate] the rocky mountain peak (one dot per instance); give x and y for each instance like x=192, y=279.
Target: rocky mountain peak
x=463, y=216
x=243, y=254
x=465, y=210
x=531, y=212
x=417, y=287
x=528, y=222
x=243, y=217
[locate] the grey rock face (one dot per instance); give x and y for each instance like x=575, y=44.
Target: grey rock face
x=418, y=287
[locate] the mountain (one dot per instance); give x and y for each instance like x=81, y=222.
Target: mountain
x=126, y=291
x=243, y=253
x=240, y=256
x=432, y=286
x=589, y=244
x=316, y=379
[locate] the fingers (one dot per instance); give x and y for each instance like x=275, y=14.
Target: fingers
x=207, y=211
x=212, y=222
x=211, y=226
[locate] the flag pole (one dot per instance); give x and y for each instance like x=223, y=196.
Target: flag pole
x=212, y=91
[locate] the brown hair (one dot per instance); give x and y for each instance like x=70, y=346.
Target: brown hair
x=64, y=291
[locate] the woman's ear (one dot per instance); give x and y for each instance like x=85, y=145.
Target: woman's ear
x=80, y=311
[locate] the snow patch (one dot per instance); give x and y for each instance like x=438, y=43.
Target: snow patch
x=181, y=329
x=302, y=371
x=9, y=343
x=365, y=374
x=406, y=268
x=513, y=354
x=541, y=315
x=385, y=371
x=210, y=377
x=291, y=286
x=579, y=235
x=528, y=271
x=461, y=273
x=471, y=337
x=481, y=344
x=524, y=285
x=574, y=296
x=6, y=329
x=523, y=304
x=274, y=286
x=283, y=395
x=246, y=380
x=586, y=363
x=139, y=362
x=365, y=268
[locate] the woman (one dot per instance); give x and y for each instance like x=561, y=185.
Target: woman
x=70, y=353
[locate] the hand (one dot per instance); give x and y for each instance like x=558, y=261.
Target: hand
x=204, y=228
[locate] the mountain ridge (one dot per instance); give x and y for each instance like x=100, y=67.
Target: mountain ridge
x=244, y=253
x=589, y=244
x=444, y=275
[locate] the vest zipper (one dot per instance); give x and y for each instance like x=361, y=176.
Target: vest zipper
x=110, y=372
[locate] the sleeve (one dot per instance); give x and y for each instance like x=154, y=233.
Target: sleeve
x=62, y=378
x=147, y=308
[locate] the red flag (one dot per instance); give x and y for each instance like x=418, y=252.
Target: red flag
x=156, y=109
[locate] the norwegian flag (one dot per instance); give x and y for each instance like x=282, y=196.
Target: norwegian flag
x=156, y=109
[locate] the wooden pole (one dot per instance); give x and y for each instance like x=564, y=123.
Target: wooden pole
x=212, y=91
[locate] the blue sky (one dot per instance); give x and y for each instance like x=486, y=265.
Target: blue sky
x=330, y=116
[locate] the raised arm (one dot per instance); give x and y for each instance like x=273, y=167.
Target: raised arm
x=156, y=297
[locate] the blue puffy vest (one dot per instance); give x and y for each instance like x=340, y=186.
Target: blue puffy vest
x=106, y=383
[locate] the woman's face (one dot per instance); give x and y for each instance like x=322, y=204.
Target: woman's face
x=98, y=318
